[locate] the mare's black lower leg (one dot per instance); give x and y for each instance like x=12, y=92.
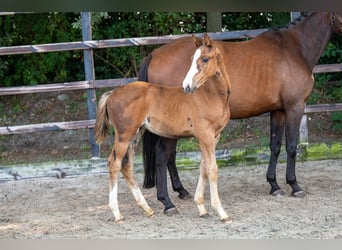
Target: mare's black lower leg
x=162, y=156
x=276, y=134
x=171, y=165
x=292, y=134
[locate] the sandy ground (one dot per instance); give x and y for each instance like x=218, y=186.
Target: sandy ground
x=76, y=207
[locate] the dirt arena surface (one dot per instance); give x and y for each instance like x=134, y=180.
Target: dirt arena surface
x=76, y=207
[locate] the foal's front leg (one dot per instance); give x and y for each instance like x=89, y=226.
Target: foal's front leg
x=199, y=194
x=209, y=170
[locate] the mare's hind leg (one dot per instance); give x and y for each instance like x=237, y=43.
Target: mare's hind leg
x=162, y=155
x=293, y=120
x=127, y=172
x=277, y=128
x=171, y=165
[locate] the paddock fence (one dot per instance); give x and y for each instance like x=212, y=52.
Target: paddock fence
x=90, y=84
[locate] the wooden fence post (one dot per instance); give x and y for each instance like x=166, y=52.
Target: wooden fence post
x=89, y=76
x=214, y=21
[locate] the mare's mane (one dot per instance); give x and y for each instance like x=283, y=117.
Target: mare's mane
x=303, y=16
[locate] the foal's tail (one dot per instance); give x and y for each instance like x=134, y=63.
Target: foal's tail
x=149, y=139
x=102, y=124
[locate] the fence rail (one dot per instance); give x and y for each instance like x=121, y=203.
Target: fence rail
x=58, y=126
x=96, y=84
x=122, y=42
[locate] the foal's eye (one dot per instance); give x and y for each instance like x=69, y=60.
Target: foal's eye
x=205, y=59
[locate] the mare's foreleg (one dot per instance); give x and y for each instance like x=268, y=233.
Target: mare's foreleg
x=127, y=172
x=276, y=134
x=293, y=120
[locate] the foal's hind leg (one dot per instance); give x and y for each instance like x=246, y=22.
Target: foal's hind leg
x=277, y=128
x=114, y=166
x=127, y=172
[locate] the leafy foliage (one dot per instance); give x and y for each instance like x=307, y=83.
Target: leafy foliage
x=26, y=29
x=41, y=28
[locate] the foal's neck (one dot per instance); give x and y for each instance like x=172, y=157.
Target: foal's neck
x=220, y=83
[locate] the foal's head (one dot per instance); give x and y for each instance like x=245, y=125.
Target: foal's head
x=207, y=62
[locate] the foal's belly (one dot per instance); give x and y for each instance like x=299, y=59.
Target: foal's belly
x=176, y=128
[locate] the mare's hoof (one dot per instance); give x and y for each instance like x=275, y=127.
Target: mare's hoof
x=186, y=196
x=205, y=215
x=299, y=194
x=227, y=220
x=278, y=192
x=171, y=211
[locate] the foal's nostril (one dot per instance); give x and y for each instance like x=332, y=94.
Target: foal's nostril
x=187, y=89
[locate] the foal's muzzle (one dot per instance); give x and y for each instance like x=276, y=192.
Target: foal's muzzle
x=188, y=90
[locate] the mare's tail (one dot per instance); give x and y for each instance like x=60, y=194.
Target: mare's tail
x=149, y=139
x=102, y=124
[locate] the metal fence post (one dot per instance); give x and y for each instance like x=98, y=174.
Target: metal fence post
x=89, y=75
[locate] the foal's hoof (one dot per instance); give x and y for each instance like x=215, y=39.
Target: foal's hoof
x=227, y=220
x=205, y=215
x=299, y=194
x=278, y=192
x=171, y=211
x=120, y=221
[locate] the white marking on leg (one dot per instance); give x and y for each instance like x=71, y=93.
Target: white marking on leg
x=141, y=200
x=216, y=202
x=199, y=194
x=113, y=202
x=187, y=82
x=214, y=195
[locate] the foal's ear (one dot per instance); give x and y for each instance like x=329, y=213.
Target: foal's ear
x=197, y=41
x=206, y=40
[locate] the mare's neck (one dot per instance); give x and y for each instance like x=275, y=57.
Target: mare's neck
x=313, y=34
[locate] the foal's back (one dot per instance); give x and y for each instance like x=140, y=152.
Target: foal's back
x=163, y=110
x=166, y=111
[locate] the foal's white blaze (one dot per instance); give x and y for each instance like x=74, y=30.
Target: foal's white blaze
x=187, y=82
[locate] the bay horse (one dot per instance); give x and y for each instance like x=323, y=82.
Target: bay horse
x=271, y=72
x=168, y=111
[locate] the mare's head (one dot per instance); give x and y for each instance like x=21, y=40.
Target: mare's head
x=336, y=22
x=206, y=63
